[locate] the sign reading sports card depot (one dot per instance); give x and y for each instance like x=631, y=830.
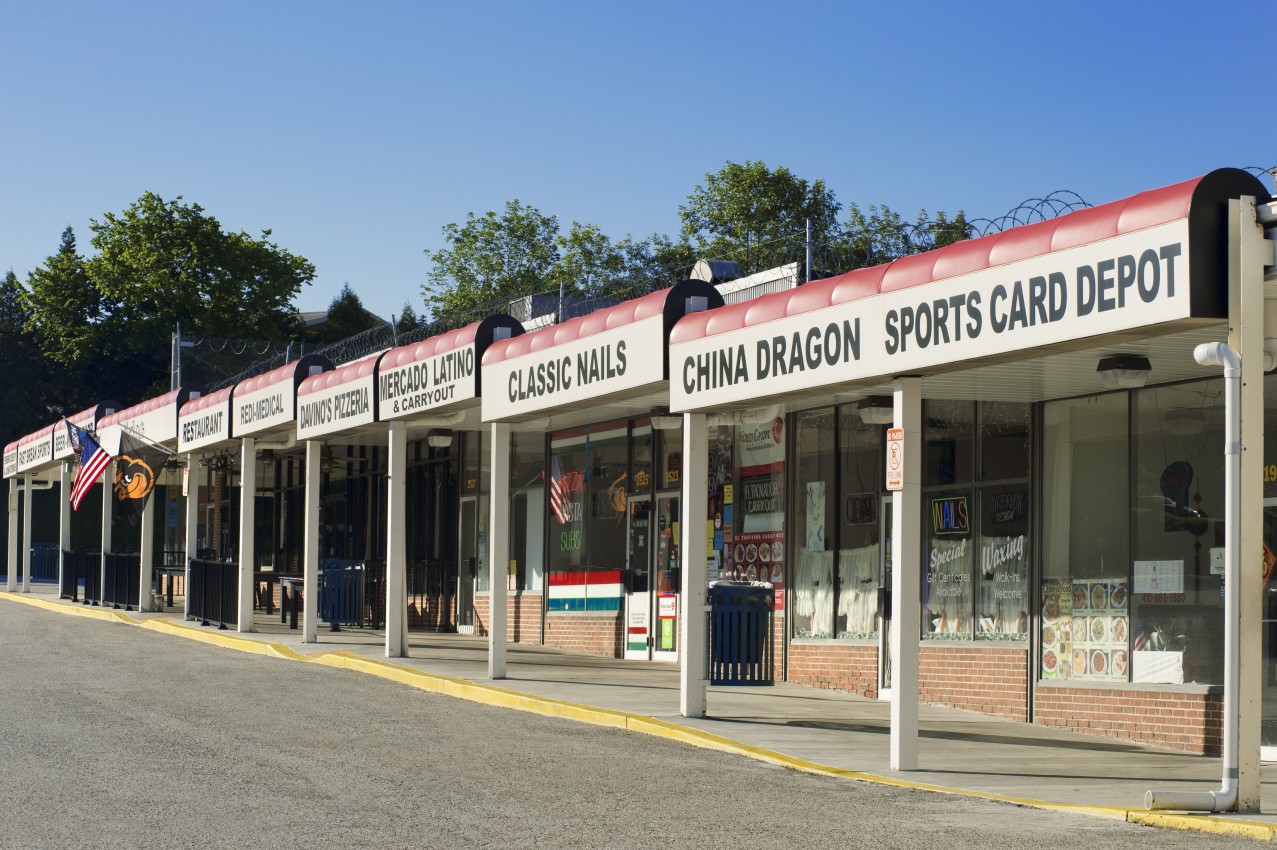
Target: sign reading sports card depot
x=1128, y=281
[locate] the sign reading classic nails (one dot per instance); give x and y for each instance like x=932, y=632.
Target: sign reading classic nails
x=1099, y=271
x=612, y=354
x=438, y=374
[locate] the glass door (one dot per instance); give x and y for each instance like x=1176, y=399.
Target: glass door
x=469, y=564
x=638, y=599
x=668, y=576
x=884, y=602
x=1268, y=700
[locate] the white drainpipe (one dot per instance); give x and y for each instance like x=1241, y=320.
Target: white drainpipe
x=1225, y=799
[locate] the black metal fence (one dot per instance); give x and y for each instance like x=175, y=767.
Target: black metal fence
x=121, y=585
x=213, y=594
x=81, y=568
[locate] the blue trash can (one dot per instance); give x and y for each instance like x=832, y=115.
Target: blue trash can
x=740, y=633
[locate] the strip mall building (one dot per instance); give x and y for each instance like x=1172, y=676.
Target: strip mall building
x=1054, y=552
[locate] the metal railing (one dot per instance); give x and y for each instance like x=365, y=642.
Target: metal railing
x=122, y=581
x=213, y=594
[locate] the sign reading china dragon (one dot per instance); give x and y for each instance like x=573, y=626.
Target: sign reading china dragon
x=1117, y=284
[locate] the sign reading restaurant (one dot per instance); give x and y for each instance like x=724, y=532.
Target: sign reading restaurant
x=1112, y=285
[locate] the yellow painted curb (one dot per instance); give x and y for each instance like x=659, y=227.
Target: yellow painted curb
x=91, y=612
x=222, y=639
x=1205, y=823
x=548, y=707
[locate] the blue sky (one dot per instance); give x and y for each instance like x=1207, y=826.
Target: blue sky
x=355, y=131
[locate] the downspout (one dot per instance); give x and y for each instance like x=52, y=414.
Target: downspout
x=1225, y=799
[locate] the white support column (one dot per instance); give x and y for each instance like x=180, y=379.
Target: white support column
x=906, y=578
x=310, y=550
x=1247, y=253
x=499, y=548
x=11, y=557
x=396, y=550
x=64, y=518
x=247, y=531
x=693, y=626
x=108, y=520
x=29, y=486
x=192, y=526
x=146, y=556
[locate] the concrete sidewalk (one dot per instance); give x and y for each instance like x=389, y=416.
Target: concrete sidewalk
x=807, y=729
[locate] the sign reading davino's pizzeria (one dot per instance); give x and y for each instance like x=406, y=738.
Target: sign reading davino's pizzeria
x=612, y=354
x=269, y=401
x=1169, y=271
x=438, y=374
x=204, y=422
x=337, y=401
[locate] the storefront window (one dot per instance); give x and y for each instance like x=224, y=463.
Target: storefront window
x=859, y=497
x=976, y=541
x=837, y=478
x=1086, y=524
x=607, y=457
x=1176, y=603
x=567, y=500
x=527, y=510
x=815, y=489
x=758, y=504
x=642, y=450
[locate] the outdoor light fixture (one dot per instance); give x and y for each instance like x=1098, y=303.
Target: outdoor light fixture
x=877, y=410
x=438, y=439
x=1123, y=371
x=665, y=421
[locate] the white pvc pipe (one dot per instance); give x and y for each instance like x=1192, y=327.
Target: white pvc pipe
x=1225, y=799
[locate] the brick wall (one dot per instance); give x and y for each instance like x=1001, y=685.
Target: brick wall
x=1187, y=722
x=977, y=677
x=838, y=666
x=590, y=634
x=522, y=616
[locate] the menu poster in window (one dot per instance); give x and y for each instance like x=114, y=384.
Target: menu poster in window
x=760, y=556
x=1057, y=623
x=1100, y=629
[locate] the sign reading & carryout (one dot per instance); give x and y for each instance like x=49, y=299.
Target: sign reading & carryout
x=963, y=303
x=612, y=354
x=438, y=374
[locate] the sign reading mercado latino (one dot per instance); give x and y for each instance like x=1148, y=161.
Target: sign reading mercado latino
x=1108, y=286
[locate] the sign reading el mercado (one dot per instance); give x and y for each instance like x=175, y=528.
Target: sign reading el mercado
x=622, y=360
x=1115, y=284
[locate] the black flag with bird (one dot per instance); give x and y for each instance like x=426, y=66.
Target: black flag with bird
x=137, y=467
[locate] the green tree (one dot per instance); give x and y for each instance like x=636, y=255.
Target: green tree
x=160, y=264
x=590, y=263
x=490, y=258
x=347, y=316
x=880, y=235
x=22, y=399
x=756, y=215
x=408, y=320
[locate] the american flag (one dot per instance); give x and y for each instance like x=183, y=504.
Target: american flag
x=93, y=460
x=559, y=501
